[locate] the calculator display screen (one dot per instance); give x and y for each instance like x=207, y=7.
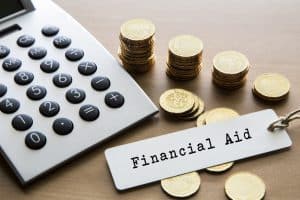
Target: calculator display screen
x=9, y=7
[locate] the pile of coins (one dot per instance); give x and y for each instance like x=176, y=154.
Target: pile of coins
x=230, y=69
x=184, y=57
x=136, y=49
x=213, y=116
x=271, y=87
x=181, y=104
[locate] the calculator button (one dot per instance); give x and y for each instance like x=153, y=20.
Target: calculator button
x=62, y=80
x=25, y=40
x=87, y=68
x=74, y=54
x=89, y=112
x=11, y=64
x=62, y=126
x=35, y=140
x=50, y=30
x=23, y=78
x=62, y=42
x=3, y=90
x=114, y=99
x=49, y=108
x=22, y=122
x=36, y=92
x=100, y=83
x=4, y=51
x=75, y=95
x=9, y=105
x=49, y=65
x=37, y=53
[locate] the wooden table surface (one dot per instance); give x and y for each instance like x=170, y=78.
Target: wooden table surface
x=268, y=32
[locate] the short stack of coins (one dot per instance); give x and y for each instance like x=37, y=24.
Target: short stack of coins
x=136, y=49
x=271, y=87
x=230, y=69
x=181, y=104
x=184, y=57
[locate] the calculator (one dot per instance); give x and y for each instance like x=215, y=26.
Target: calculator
x=61, y=91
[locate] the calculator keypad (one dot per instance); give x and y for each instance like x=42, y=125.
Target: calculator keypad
x=89, y=112
x=9, y=105
x=74, y=54
x=62, y=80
x=50, y=30
x=23, y=78
x=22, y=122
x=36, y=92
x=4, y=51
x=62, y=126
x=25, y=40
x=75, y=95
x=11, y=64
x=35, y=140
x=3, y=90
x=87, y=68
x=37, y=53
x=49, y=65
x=62, y=42
x=49, y=108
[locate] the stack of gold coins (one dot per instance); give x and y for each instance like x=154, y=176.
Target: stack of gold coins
x=213, y=116
x=230, y=69
x=184, y=57
x=136, y=49
x=181, y=104
x=271, y=87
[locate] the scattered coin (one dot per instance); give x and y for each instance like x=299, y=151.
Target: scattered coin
x=220, y=168
x=212, y=116
x=136, y=50
x=181, y=104
x=184, y=57
x=230, y=69
x=182, y=186
x=245, y=185
x=271, y=87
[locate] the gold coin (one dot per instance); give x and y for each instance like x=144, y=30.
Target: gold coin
x=245, y=186
x=230, y=62
x=183, y=185
x=201, y=119
x=272, y=85
x=138, y=29
x=196, y=111
x=185, y=45
x=177, y=101
x=220, y=168
x=220, y=114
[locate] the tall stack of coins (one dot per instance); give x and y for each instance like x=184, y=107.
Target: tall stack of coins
x=136, y=49
x=181, y=104
x=213, y=116
x=184, y=57
x=271, y=87
x=230, y=69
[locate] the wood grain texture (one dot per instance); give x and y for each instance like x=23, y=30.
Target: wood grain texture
x=268, y=32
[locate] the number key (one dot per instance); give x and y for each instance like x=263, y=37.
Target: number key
x=49, y=65
x=75, y=95
x=36, y=92
x=49, y=108
x=35, y=140
x=25, y=40
x=23, y=78
x=22, y=122
x=4, y=51
x=62, y=80
x=11, y=64
x=74, y=54
x=9, y=105
x=37, y=53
